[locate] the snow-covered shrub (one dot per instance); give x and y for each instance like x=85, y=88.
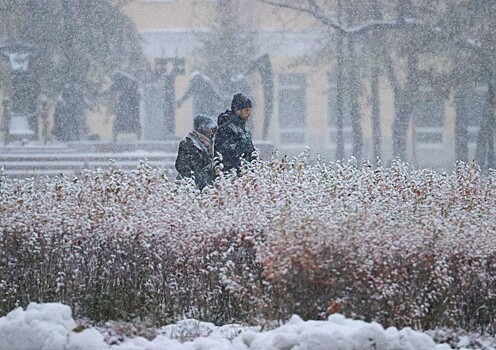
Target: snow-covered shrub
x=123, y=245
x=400, y=246
x=397, y=245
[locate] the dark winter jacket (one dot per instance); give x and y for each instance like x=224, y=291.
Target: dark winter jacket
x=195, y=160
x=233, y=141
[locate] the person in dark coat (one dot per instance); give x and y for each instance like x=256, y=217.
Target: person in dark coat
x=6, y=119
x=195, y=158
x=127, y=114
x=233, y=141
x=43, y=108
x=69, y=119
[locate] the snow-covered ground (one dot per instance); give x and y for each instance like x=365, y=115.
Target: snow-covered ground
x=51, y=327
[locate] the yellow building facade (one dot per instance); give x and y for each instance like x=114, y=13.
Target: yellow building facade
x=304, y=94
x=170, y=29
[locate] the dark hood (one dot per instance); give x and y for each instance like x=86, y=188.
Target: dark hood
x=230, y=117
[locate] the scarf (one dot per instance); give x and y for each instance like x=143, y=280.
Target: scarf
x=202, y=142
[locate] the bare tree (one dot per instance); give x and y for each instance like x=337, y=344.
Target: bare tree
x=74, y=40
x=462, y=31
x=364, y=21
x=227, y=50
x=471, y=25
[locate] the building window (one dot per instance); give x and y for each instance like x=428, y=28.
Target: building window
x=428, y=119
x=332, y=114
x=292, y=109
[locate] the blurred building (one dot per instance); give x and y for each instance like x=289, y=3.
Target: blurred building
x=304, y=96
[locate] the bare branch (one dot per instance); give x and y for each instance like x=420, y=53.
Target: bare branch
x=383, y=25
x=315, y=11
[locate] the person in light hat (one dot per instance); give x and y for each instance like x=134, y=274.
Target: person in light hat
x=195, y=158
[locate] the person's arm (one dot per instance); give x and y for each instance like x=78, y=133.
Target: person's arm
x=205, y=176
x=249, y=156
x=184, y=160
x=226, y=144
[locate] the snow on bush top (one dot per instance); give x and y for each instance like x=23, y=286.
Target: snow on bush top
x=392, y=244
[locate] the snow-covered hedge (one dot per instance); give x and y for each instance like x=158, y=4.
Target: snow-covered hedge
x=399, y=246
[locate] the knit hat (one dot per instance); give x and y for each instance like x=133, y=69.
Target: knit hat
x=240, y=101
x=204, y=124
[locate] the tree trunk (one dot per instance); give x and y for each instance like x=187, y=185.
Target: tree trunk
x=354, y=89
x=374, y=90
x=339, y=92
x=403, y=108
x=400, y=127
x=461, y=124
x=376, y=114
x=484, y=155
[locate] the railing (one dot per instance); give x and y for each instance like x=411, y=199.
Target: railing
x=35, y=159
x=38, y=160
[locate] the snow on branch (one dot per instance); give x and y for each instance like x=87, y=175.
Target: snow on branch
x=318, y=13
